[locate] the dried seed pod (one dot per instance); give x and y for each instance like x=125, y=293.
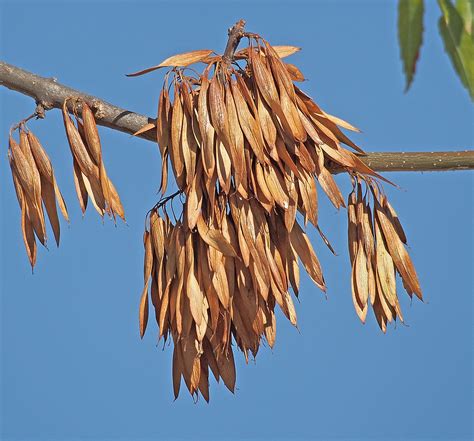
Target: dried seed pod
x=50, y=192
x=24, y=171
x=147, y=271
x=26, y=226
x=80, y=187
x=46, y=170
x=78, y=147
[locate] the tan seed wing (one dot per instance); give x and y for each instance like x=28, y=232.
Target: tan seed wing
x=143, y=314
x=276, y=186
x=286, y=51
x=176, y=154
x=236, y=138
x=361, y=309
x=22, y=169
x=177, y=368
x=295, y=73
x=391, y=213
x=302, y=247
x=81, y=190
x=78, y=147
x=41, y=158
x=26, y=227
x=226, y=366
x=28, y=237
x=340, y=122
x=91, y=134
x=398, y=252
x=178, y=60
x=248, y=124
x=49, y=200
x=328, y=183
x=163, y=121
x=385, y=268
x=145, y=128
x=207, y=130
x=115, y=202
x=95, y=193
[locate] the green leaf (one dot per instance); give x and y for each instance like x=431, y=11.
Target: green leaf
x=466, y=11
x=455, y=26
x=410, y=33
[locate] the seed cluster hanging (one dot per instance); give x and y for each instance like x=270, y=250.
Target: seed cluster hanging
x=90, y=177
x=36, y=189
x=377, y=251
x=35, y=182
x=247, y=146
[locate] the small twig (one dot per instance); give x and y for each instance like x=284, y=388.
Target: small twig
x=166, y=199
x=39, y=113
x=235, y=33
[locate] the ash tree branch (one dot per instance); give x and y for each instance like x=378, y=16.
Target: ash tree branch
x=49, y=94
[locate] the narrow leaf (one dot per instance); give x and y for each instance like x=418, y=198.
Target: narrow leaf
x=458, y=43
x=410, y=33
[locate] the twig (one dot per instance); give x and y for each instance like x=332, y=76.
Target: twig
x=235, y=34
x=48, y=94
x=417, y=161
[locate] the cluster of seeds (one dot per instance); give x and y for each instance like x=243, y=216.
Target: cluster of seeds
x=35, y=183
x=90, y=177
x=377, y=250
x=246, y=147
x=36, y=190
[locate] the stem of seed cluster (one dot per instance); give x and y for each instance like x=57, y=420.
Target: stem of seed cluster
x=39, y=113
x=235, y=33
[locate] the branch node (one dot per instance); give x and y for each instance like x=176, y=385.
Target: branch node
x=40, y=110
x=98, y=109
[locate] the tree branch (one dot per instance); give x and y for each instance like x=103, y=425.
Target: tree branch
x=49, y=94
x=417, y=161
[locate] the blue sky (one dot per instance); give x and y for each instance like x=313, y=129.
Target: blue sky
x=72, y=364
